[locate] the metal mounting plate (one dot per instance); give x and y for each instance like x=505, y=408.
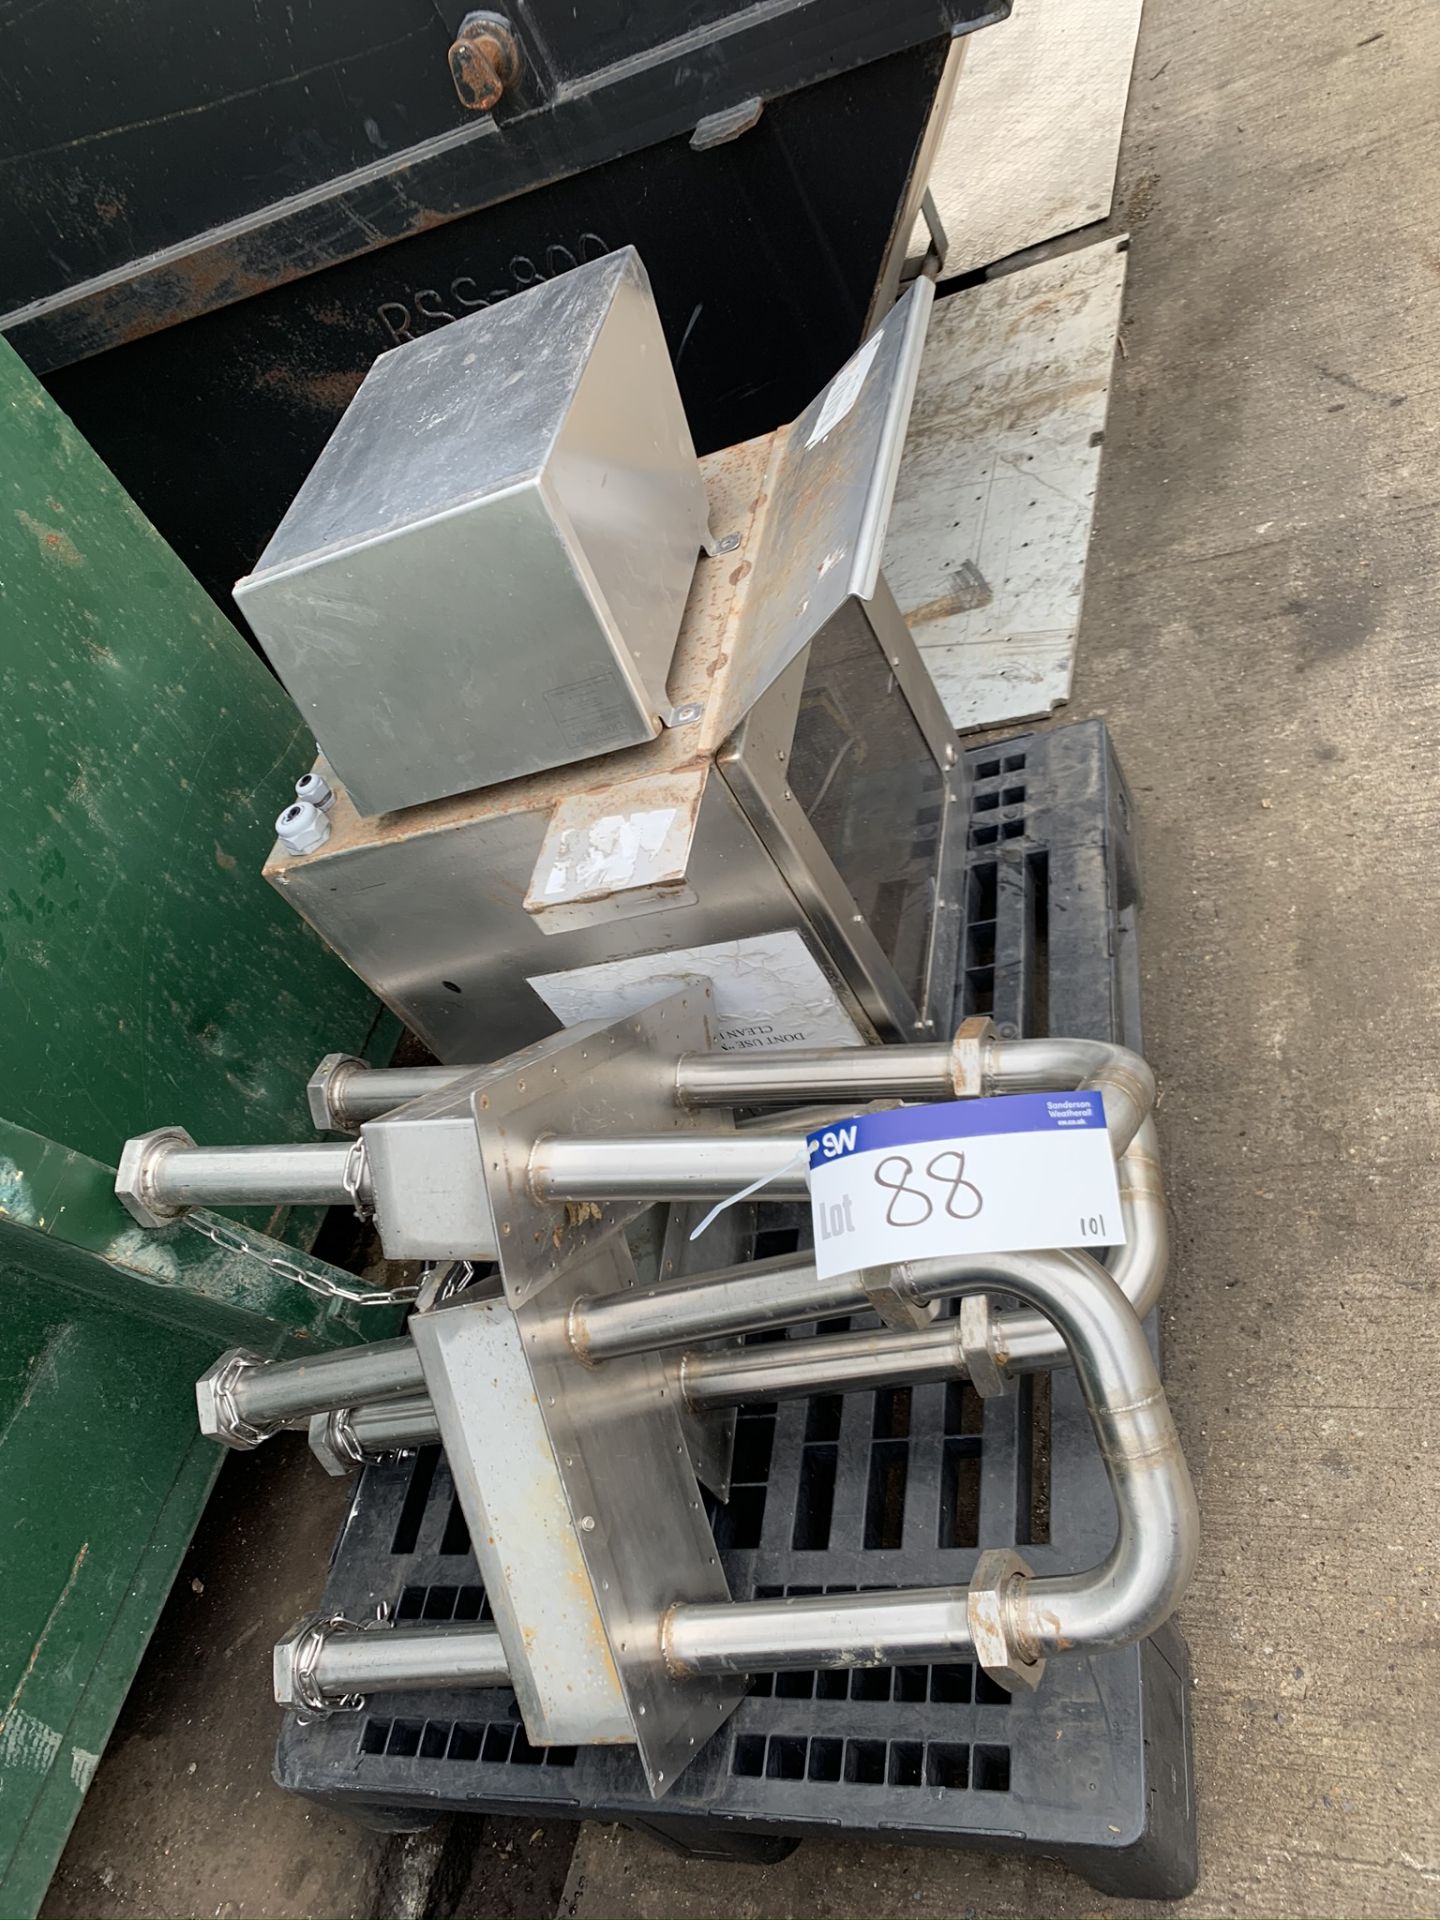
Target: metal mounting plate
x=607, y=1077
x=586, y=1518
x=709, y=1431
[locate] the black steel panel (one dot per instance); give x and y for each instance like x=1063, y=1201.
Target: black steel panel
x=160, y=159
x=763, y=254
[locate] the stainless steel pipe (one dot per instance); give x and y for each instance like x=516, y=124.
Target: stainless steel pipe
x=1023, y=1342
x=840, y=1363
x=1011, y=1620
x=670, y=1166
x=269, y=1394
x=788, y=1076
x=744, y=1299
x=1123, y=1078
x=759, y=1294
x=356, y=1094
x=387, y=1426
x=1021, y=1620
x=925, y=1072
x=833, y=1363
x=974, y=1063
x=911, y=1627
x=309, y=1174
x=399, y=1659
x=173, y=1176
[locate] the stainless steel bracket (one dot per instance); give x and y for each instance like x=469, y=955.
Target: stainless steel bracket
x=586, y=1518
x=606, y=1077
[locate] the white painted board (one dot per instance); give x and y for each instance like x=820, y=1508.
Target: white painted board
x=991, y=523
x=1033, y=133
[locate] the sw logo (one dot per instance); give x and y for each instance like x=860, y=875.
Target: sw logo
x=832, y=1143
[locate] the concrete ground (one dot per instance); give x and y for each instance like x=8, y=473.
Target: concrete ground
x=1261, y=632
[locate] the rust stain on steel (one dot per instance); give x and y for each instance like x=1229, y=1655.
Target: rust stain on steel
x=328, y=391
x=484, y=60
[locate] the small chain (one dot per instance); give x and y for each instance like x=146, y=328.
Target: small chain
x=352, y=1178
x=234, y=1242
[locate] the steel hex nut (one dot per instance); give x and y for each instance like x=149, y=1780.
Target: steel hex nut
x=975, y=1323
x=322, y=1090
x=970, y=1056
x=294, y=1661
x=332, y=1443
x=893, y=1296
x=134, y=1185
x=215, y=1401
x=988, y=1604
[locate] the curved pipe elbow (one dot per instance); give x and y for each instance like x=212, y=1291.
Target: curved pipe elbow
x=1145, y=1576
x=1140, y=1582
x=1123, y=1078
x=1023, y=1342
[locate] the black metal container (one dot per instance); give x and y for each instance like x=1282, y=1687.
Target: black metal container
x=211, y=226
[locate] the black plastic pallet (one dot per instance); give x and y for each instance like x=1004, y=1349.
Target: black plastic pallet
x=862, y=1491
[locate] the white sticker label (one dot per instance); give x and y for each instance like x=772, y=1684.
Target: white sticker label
x=769, y=991
x=844, y=390
x=1024, y=1171
x=619, y=850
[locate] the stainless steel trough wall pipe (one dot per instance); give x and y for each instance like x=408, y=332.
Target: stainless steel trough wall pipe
x=164, y=1173
x=310, y=1174
x=760, y=1294
x=354, y=1093
x=840, y=1363
x=1009, y=1619
x=974, y=1062
x=1126, y=1597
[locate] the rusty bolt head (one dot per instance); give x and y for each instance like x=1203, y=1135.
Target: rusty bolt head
x=969, y=1057
x=484, y=60
x=975, y=1324
x=992, y=1632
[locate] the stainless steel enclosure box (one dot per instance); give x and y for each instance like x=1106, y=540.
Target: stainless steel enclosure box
x=484, y=574
x=797, y=846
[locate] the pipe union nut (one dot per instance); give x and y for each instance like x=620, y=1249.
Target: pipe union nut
x=997, y=1575
x=294, y=1662
x=323, y=1093
x=215, y=1401
x=970, y=1056
x=333, y=1443
x=134, y=1183
x=975, y=1349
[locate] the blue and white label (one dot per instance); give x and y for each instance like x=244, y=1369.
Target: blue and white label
x=1021, y=1172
